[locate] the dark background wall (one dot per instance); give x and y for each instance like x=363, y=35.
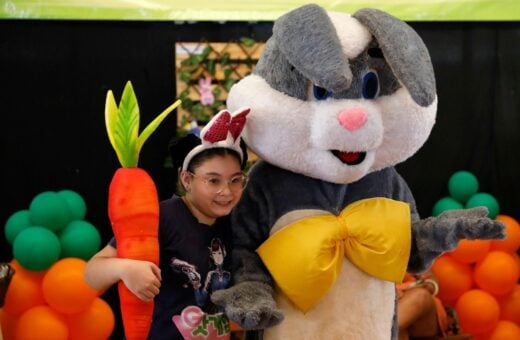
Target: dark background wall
x=54, y=76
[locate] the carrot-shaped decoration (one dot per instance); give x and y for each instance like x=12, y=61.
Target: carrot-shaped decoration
x=133, y=203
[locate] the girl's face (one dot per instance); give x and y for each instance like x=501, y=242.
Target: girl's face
x=209, y=190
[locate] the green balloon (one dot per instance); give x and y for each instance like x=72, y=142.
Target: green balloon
x=17, y=222
x=79, y=239
x=76, y=204
x=446, y=203
x=486, y=200
x=36, y=248
x=49, y=210
x=462, y=185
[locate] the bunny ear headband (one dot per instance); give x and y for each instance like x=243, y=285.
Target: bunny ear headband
x=222, y=131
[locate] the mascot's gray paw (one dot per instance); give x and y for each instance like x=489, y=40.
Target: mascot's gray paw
x=250, y=304
x=442, y=233
x=436, y=235
x=470, y=224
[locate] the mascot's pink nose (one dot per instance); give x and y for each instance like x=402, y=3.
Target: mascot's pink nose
x=352, y=119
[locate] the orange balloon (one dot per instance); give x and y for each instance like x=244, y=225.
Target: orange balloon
x=510, y=306
x=478, y=311
x=64, y=287
x=482, y=336
x=470, y=251
x=517, y=259
x=42, y=323
x=7, y=325
x=35, y=275
x=497, y=273
x=94, y=323
x=505, y=330
x=454, y=278
x=512, y=242
x=24, y=291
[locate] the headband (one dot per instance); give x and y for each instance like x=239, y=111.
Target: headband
x=222, y=131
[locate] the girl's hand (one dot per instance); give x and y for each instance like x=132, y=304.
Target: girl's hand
x=142, y=278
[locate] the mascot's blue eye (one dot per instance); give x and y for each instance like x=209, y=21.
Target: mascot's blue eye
x=370, y=85
x=320, y=93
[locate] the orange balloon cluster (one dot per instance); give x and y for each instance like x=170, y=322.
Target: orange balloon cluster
x=56, y=302
x=455, y=278
x=480, y=279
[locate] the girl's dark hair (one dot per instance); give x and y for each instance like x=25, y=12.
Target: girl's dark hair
x=180, y=147
x=203, y=156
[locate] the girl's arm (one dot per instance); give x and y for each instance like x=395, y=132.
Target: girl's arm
x=142, y=278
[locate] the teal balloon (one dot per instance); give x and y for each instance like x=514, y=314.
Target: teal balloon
x=486, y=200
x=50, y=210
x=446, y=203
x=79, y=239
x=462, y=185
x=17, y=222
x=76, y=204
x=36, y=248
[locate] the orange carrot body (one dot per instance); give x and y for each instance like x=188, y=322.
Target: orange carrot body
x=133, y=204
x=133, y=208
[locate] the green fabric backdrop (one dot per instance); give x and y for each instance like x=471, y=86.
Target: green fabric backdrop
x=248, y=10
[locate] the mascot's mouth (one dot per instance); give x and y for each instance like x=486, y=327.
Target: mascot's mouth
x=350, y=158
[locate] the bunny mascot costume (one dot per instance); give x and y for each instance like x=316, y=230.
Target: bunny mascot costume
x=326, y=226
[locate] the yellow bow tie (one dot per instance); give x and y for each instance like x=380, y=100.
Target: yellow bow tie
x=306, y=256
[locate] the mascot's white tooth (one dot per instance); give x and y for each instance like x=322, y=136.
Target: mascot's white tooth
x=302, y=201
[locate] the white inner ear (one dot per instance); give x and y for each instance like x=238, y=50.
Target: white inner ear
x=353, y=36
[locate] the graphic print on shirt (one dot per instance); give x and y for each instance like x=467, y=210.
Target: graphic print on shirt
x=189, y=270
x=194, y=323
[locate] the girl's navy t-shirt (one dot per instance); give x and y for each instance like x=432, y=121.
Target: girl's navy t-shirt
x=195, y=259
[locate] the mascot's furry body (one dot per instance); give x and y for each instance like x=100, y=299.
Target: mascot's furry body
x=336, y=101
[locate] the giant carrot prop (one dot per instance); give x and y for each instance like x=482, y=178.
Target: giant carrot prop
x=133, y=204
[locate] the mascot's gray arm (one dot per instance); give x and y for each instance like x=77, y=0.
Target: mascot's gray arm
x=249, y=302
x=434, y=235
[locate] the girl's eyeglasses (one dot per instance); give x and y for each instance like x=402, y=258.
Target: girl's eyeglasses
x=217, y=184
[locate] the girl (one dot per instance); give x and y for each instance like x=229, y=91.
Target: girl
x=210, y=173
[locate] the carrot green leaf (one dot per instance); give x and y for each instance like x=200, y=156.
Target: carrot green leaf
x=122, y=124
x=111, y=119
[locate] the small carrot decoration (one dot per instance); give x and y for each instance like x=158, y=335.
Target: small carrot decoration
x=133, y=204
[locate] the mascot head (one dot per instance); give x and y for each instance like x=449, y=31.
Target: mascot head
x=336, y=96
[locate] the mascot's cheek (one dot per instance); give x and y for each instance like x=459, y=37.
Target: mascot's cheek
x=279, y=143
x=403, y=120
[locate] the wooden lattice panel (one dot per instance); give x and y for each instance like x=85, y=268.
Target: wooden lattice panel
x=225, y=63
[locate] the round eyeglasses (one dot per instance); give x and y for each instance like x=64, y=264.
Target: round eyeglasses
x=217, y=184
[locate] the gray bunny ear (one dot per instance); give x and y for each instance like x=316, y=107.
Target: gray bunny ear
x=404, y=51
x=308, y=40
